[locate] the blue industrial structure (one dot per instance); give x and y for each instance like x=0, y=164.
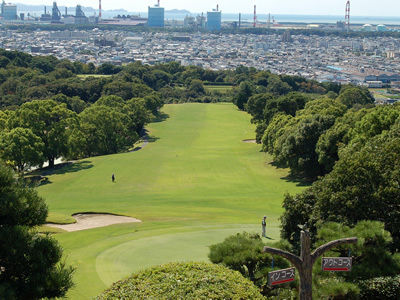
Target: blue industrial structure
x=9, y=11
x=155, y=17
x=214, y=20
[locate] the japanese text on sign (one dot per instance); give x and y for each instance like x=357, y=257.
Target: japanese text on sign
x=336, y=264
x=281, y=276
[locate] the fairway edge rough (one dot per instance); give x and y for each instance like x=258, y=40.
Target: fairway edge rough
x=94, y=220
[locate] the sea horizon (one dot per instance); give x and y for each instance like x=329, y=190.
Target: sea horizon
x=263, y=18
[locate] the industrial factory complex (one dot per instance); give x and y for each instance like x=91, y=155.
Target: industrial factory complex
x=53, y=15
x=211, y=20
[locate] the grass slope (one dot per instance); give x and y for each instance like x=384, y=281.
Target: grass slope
x=195, y=183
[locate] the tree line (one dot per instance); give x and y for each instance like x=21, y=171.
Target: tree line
x=338, y=139
x=226, y=30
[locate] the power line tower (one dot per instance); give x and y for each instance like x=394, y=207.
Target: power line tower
x=347, y=17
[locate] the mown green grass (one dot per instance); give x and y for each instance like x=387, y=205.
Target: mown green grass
x=219, y=88
x=84, y=76
x=194, y=184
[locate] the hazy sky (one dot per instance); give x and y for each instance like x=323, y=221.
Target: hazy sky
x=303, y=7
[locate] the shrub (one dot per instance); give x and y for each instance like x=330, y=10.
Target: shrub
x=186, y=280
x=381, y=288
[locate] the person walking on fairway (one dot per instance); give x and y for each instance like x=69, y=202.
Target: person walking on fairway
x=113, y=177
x=264, y=225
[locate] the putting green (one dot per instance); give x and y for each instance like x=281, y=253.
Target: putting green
x=194, y=184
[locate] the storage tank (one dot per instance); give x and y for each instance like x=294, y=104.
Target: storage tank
x=367, y=27
x=381, y=28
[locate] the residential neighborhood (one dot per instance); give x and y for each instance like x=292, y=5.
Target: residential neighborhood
x=322, y=58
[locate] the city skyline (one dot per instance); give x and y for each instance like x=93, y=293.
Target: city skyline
x=295, y=7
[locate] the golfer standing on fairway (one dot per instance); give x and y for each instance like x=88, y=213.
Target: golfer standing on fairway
x=264, y=225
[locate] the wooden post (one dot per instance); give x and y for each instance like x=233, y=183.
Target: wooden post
x=305, y=262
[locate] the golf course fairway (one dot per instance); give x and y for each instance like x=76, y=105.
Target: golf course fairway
x=195, y=183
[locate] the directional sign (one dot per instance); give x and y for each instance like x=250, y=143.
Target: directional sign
x=336, y=264
x=281, y=276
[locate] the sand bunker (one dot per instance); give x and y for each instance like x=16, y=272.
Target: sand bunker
x=88, y=221
x=249, y=141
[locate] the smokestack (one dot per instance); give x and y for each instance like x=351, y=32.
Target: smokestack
x=99, y=10
x=66, y=11
x=347, y=17
x=255, y=16
x=45, y=10
x=240, y=19
x=158, y=3
x=217, y=7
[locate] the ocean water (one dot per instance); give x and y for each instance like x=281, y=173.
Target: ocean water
x=296, y=18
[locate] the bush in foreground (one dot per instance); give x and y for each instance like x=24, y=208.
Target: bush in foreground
x=381, y=288
x=186, y=280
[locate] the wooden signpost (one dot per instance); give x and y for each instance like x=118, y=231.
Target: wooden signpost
x=341, y=264
x=305, y=262
x=281, y=276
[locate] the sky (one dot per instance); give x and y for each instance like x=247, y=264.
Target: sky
x=297, y=7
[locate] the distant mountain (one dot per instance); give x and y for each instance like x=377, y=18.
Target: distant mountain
x=178, y=11
x=119, y=10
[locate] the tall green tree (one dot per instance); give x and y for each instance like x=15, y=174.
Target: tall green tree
x=256, y=105
x=243, y=93
x=371, y=258
x=339, y=135
x=106, y=130
x=22, y=148
x=363, y=185
x=30, y=263
x=353, y=95
x=51, y=122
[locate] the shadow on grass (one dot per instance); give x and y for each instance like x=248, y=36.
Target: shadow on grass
x=39, y=177
x=69, y=167
x=298, y=180
x=44, y=181
x=146, y=139
x=36, y=180
x=160, y=117
x=63, y=168
x=278, y=165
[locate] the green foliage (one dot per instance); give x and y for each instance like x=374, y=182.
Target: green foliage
x=354, y=95
x=371, y=259
x=387, y=288
x=371, y=255
x=297, y=149
x=22, y=148
x=76, y=104
x=50, y=122
x=362, y=186
x=256, y=105
x=243, y=94
x=374, y=122
x=335, y=288
x=188, y=280
x=243, y=252
x=30, y=263
x=277, y=87
x=196, y=88
x=106, y=130
x=337, y=136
